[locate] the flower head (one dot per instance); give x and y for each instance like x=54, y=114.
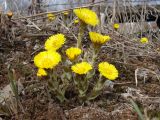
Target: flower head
x=65, y=12
x=50, y=16
x=55, y=42
x=76, y=21
x=81, y=68
x=98, y=38
x=41, y=72
x=10, y=13
x=144, y=40
x=116, y=26
x=87, y=16
x=47, y=59
x=108, y=70
x=73, y=52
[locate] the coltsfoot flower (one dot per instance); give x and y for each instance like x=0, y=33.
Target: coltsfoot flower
x=47, y=59
x=98, y=38
x=144, y=40
x=81, y=68
x=65, y=12
x=76, y=21
x=50, y=16
x=87, y=16
x=41, y=72
x=55, y=42
x=108, y=70
x=116, y=26
x=10, y=14
x=73, y=52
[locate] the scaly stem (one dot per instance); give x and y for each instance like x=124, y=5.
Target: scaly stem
x=80, y=34
x=97, y=89
x=54, y=85
x=95, y=53
x=82, y=86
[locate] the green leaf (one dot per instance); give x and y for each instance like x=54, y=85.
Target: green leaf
x=135, y=106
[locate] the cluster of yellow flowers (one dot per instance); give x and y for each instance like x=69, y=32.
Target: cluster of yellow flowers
x=50, y=58
x=46, y=60
x=107, y=70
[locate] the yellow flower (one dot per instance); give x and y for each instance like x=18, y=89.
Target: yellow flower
x=73, y=52
x=50, y=16
x=10, y=14
x=116, y=26
x=144, y=40
x=87, y=16
x=41, y=72
x=81, y=68
x=108, y=70
x=47, y=59
x=55, y=42
x=66, y=13
x=76, y=21
x=98, y=38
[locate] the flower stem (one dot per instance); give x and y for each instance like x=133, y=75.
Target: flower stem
x=80, y=34
x=82, y=85
x=97, y=88
x=95, y=53
x=54, y=85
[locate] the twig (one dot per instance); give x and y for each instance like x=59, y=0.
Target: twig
x=36, y=51
x=35, y=35
x=124, y=83
x=136, y=74
x=29, y=21
x=67, y=29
